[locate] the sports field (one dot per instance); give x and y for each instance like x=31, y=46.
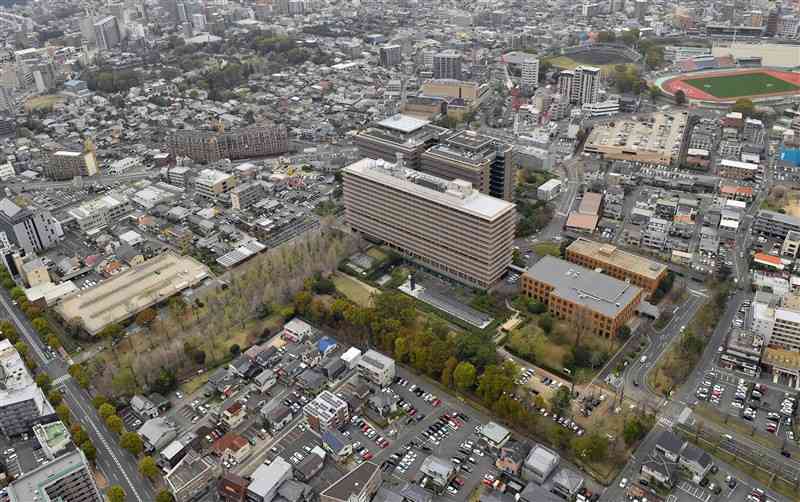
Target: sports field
x=747, y=84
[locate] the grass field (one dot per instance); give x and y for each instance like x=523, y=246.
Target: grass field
x=749, y=84
x=42, y=102
x=567, y=63
x=354, y=289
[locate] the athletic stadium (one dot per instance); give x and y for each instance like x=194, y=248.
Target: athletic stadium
x=726, y=86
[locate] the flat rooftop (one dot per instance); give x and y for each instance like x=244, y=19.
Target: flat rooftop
x=133, y=290
x=453, y=194
x=657, y=135
x=583, y=286
x=612, y=255
x=403, y=123
x=352, y=482
x=32, y=485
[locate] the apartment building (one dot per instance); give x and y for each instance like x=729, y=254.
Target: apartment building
x=28, y=228
x=65, y=165
x=639, y=271
x=774, y=225
x=211, y=183
x=484, y=162
x=66, y=478
x=107, y=33
x=98, y=213
x=244, y=196
x=399, y=135
x=737, y=170
x=211, y=146
x=21, y=400
x=326, y=412
x=390, y=55
x=376, y=368
x=582, y=84
x=446, y=226
x=592, y=301
x=447, y=64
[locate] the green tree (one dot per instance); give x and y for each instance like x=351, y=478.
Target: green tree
x=633, y=431
x=464, y=376
x=98, y=400
x=235, y=350
x=43, y=381
x=132, y=442
x=111, y=331
x=165, y=496
x=680, y=97
x=654, y=57
x=744, y=106
x=54, y=397
x=561, y=401
x=593, y=447
x=22, y=348
x=89, y=450
x=115, y=424
x=447, y=372
x=115, y=494
x=631, y=36
x=16, y=293
x=63, y=413
x=606, y=37
x=79, y=435
x=80, y=375
x=106, y=410
x=148, y=467
x=53, y=341
x=41, y=325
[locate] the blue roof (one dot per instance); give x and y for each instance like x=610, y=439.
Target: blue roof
x=791, y=155
x=326, y=344
x=332, y=441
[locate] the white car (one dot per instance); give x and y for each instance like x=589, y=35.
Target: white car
x=623, y=482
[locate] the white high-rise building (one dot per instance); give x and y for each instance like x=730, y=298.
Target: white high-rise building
x=199, y=22
x=587, y=83
x=530, y=73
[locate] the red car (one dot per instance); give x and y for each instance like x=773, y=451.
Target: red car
x=366, y=455
x=412, y=411
x=436, y=402
x=459, y=481
x=384, y=444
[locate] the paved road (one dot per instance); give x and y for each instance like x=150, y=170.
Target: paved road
x=119, y=466
x=101, y=180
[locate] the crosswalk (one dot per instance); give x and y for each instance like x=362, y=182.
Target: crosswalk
x=59, y=380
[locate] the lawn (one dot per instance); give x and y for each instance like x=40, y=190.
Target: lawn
x=749, y=84
x=354, y=289
x=567, y=63
x=42, y=102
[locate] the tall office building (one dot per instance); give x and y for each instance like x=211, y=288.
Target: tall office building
x=640, y=9
x=565, y=79
x=582, y=85
x=588, y=80
x=530, y=74
x=22, y=402
x=390, y=55
x=445, y=226
x=399, y=135
x=482, y=161
x=199, y=21
x=183, y=15
x=28, y=228
x=447, y=64
x=107, y=33
x=67, y=478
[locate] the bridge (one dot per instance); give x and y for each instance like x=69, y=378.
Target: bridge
x=616, y=49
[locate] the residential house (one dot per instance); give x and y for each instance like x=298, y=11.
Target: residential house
x=234, y=415
x=669, y=445
x=512, y=457
x=231, y=446
x=383, y=404
x=276, y=415
x=660, y=469
x=157, y=433
x=696, y=461
x=232, y=488
x=265, y=380
x=143, y=407
x=311, y=381
x=567, y=483
x=297, y=331
x=439, y=470
x=540, y=464
x=240, y=366
x=309, y=466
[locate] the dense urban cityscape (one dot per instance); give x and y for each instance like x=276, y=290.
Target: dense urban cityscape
x=401, y=251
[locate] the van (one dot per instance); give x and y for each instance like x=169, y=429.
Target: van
x=643, y=359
